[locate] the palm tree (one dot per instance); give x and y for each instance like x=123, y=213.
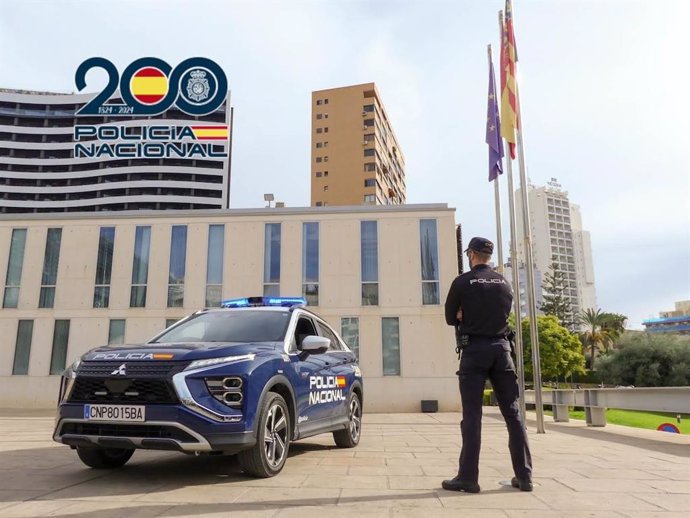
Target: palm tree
x=612, y=327
x=600, y=330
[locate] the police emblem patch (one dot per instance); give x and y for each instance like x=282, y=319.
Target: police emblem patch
x=198, y=88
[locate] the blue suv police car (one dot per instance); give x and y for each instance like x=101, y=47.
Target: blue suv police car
x=245, y=379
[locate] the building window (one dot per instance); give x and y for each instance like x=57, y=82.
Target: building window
x=368, y=123
x=370, y=167
x=325, y=101
x=325, y=173
x=325, y=187
x=178, y=258
x=370, y=152
x=319, y=144
x=272, y=260
x=140, y=267
x=310, y=263
x=325, y=115
x=319, y=130
x=349, y=330
x=368, y=108
x=370, y=182
x=22, y=350
x=370, y=263
x=428, y=243
x=325, y=159
x=171, y=321
x=325, y=144
x=104, y=267
x=319, y=204
x=14, y=268
x=318, y=174
x=370, y=199
x=50, y=268
x=116, y=331
x=319, y=159
x=319, y=102
x=214, y=265
x=325, y=130
x=58, y=357
x=319, y=116
x=390, y=340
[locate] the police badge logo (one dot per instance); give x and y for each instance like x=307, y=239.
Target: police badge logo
x=198, y=88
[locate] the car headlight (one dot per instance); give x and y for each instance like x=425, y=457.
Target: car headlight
x=196, y=364
x=73, y=368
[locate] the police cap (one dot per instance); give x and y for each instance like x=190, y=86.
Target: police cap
x=481, y=244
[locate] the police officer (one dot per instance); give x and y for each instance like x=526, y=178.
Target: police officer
x=478, y=304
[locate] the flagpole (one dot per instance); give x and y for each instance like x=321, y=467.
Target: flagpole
x=519, y=352
x=497, y=202
x=531, y=292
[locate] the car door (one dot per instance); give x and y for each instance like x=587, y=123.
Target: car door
x=340, y=365
x=311, y=378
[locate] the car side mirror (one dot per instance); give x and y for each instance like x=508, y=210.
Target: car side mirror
x=315, y=344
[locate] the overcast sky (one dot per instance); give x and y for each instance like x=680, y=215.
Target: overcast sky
x=604, y=91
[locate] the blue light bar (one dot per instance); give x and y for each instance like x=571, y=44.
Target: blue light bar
x=283, y=302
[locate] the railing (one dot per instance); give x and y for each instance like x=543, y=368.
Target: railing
x=596, y=401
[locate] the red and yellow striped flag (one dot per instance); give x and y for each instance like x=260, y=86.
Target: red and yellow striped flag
x=210, y=132
x=509, y=107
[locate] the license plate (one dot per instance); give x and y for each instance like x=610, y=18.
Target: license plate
x=115, y=413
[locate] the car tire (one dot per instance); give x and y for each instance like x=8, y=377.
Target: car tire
x=104, y=458
x=349, y=438
x=273, y=433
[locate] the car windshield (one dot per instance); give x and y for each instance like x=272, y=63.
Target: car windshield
x=229, y=326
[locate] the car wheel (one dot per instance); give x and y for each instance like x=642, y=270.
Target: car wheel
x=349, y=438
x=267, y=458
x=104, y=458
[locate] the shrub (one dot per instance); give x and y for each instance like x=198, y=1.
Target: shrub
x=648, y=360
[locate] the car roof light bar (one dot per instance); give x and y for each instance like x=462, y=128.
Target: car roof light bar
x=246, y=302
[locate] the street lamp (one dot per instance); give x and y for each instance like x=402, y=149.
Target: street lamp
x=269, y=198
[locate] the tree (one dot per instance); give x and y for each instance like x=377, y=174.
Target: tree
x=556, y=302
x=613, y=326
x=560, y=350
x=601, y=330
x=648, y=360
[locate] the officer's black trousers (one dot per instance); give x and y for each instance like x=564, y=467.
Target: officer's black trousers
x=490, y=358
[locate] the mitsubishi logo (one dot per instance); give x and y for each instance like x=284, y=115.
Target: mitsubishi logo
x=120, y=371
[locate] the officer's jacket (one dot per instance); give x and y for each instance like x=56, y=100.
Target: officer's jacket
x=485, y=298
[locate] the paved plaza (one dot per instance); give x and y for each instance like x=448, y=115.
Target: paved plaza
x=396, y=471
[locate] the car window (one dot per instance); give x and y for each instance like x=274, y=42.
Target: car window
x=229, y=326
x=326, y=332
x=305, y=327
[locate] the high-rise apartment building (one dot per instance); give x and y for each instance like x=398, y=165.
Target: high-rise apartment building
x=355, y=156
x=558, y=237
x=39, y=171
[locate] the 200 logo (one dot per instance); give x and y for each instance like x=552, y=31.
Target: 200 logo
x=150, y=86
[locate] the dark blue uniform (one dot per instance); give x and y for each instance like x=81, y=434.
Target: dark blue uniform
x=485, y=298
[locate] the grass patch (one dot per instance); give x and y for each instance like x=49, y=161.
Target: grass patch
x=637, y=419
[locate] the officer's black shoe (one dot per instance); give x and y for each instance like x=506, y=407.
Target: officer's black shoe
x=522, y=485
x=458, y=485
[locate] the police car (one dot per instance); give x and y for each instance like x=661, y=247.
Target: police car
x=247, y=379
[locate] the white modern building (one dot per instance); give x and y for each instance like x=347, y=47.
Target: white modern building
x=378, y=274
x=40, y=173
x=522, y=276
x=558, y=236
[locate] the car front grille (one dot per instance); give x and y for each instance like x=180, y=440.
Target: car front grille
x=111, y=390
x=127, y=430
x=134, y=369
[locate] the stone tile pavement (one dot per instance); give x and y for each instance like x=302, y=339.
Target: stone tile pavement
x=396, y=471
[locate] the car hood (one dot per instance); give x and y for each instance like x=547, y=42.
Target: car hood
x=187, y=351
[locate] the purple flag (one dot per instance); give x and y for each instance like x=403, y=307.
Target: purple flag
x=493, y=130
